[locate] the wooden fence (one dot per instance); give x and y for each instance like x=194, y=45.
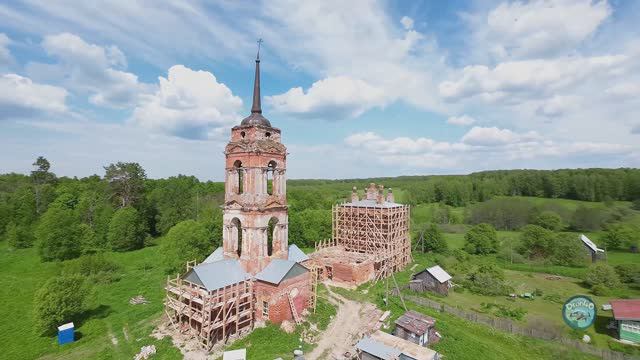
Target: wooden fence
x=509, y=326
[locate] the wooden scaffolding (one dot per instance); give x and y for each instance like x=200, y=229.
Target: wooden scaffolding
x=212, y=316
x=382, y=231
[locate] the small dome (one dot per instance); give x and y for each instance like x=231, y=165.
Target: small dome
x=255, y=119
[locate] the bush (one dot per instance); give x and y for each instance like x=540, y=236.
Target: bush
x=569, y=251
x=629, y=273
x=17, y=236
x=433, y=240
x=60, y=300
x=481, y=239
x=549, y=220
x=588, y=219
x=187, y=240
x=488, y=280
x=96, y=267
x=58, y=235
x=600, y=290
x=537, y=242
x=126, y=230
x=602, y=274
x=503, y=213
x=636, y=204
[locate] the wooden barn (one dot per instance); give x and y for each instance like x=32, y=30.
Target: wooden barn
x=418, y=328
x=431, y=279
x=594, y=251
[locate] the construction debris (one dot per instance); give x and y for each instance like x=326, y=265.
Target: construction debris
x=145, y=352
x=288, y=327
x=138, y=300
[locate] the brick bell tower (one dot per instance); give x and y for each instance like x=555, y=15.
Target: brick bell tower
x=255, y=207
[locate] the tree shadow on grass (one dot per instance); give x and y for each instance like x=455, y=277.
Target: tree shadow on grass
x=99, y=312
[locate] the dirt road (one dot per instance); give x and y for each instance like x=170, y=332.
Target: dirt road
x=352, y=321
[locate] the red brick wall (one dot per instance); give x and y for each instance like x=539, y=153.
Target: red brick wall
x=277, y=297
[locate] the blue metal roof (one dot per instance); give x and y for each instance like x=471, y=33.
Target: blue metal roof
x=297, y=255
x=216, y=255
x=378, y=349
x=276, y=271
x=218, y=274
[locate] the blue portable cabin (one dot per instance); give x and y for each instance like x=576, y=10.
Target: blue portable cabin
x=66, y=333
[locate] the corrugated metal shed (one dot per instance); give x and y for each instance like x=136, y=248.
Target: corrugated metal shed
x=216, y=255
x=626, y=309
x=297, y=255
x=377, y=349
x=217, y=274
x=590, y=244
x=415, y=323
x=439, y=273
x=278, y=269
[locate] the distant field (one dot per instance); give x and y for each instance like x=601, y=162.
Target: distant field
x=568, y=204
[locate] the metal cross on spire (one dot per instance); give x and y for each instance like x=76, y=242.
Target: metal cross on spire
x=259, y=43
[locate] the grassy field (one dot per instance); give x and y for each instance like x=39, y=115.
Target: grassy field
x=112, y=328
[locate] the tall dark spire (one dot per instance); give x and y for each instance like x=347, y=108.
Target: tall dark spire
x=256, y=117
x=256, y=107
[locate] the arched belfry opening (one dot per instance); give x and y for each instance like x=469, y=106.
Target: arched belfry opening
x=236, y=234
x=271, y=168
x=240, y=176
x=272, y=229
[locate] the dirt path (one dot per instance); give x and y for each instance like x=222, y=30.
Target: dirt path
x=352, y=321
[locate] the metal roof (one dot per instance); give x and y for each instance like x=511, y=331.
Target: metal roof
x=276, y=270
x=407, y=349
x=626, y=309
x=378, y=349
x=415, y=322
x=297, y=255
x=240, y=354
x=218, y=274
x=65, y=326
x=372, y=203
x=216, y=255
x=590, y=244
x=439, y=273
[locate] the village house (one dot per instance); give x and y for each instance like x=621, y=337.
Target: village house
x=431, y=279
x=417, y=328
x=383, y=346
x=626, y=313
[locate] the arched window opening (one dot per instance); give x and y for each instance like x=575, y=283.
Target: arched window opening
x=267, y=134
x=242, y=133
x=240, y=171
x=271, y=234
x=271, y=167
x=237, y=229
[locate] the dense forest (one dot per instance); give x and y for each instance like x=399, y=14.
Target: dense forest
x=123, y=210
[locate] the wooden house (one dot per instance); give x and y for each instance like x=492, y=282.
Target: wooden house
x=417, y=328
x=627, y=316
x=594, y=251
x=431, y=279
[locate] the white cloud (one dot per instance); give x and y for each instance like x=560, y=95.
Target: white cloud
x=624, y=90
x=91, y=69
x=5, y=54
x=558, y=106
x=189, y=104
x=528, y=76
x=333, y=98
x=539, y=28
x=462, y=120
x=407, y=22
x=491, y=136
x=635, y=129
x=21, y=97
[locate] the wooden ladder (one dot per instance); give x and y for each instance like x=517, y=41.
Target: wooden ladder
x=296, y=317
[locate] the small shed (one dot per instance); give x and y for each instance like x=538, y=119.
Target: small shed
x=240, y=354
x=594, y=251
x=383, y=346
x=626, y=313
x=431, y=279
x=417, y=328
x=66, y=333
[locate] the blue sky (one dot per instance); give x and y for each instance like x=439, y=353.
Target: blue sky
x=358, y=88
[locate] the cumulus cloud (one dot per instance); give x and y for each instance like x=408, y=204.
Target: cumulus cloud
x=88, y=68
x=407, y=22
x=462, y=120
x=558, y=106
x=5, y=54
x=492, y=136
x=21, y=97
x=624, y=90
x=189, y=104
x=527, y=76
x=333, y=98
x=540, y=28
